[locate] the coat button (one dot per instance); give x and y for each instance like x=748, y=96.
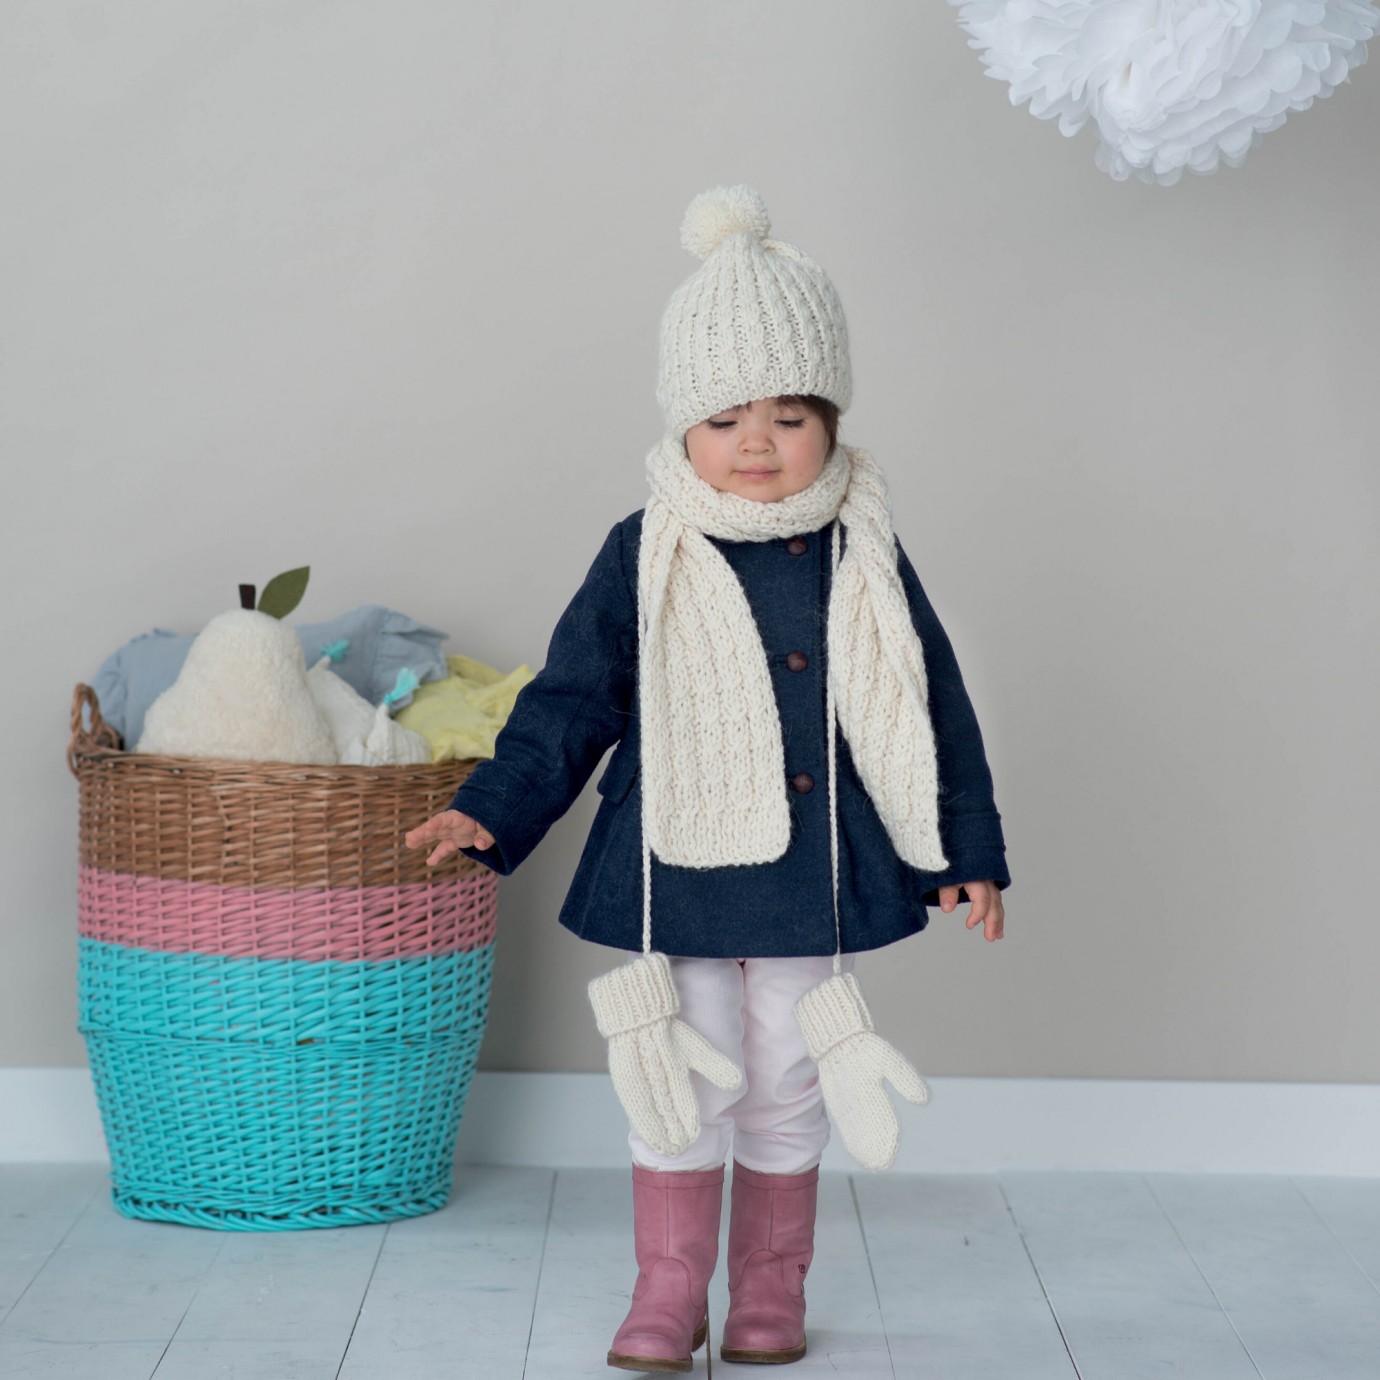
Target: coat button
x=797, y=546
x=797, y=661
x=802, y=782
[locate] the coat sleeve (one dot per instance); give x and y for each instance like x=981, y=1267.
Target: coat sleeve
x=969, y=823
x=563, y=720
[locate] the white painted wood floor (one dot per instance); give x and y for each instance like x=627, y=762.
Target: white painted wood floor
x=526, y=1273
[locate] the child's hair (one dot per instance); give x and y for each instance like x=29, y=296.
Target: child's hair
x=826, y=411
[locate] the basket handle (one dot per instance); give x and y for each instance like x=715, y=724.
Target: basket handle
x=84, y=739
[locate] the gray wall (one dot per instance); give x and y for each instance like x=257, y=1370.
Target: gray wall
x=376, y=287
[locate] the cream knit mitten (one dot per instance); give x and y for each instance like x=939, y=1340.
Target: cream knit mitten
x=651, y=1052
x=853, y=1060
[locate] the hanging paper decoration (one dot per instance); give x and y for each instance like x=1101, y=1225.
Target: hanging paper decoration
x=1170, y=84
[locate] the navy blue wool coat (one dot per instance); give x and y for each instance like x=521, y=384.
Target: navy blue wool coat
x=585, y=700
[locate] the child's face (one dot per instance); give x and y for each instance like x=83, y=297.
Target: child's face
x=765, y=450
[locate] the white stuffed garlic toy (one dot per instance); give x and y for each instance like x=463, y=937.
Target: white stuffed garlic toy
x=365, y=736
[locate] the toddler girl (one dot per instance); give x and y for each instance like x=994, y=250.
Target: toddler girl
x=798, y=773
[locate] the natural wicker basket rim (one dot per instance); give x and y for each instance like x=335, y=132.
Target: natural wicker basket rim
x=100, y=742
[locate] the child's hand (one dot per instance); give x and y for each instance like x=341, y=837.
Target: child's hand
x=986, y=905
x=455, y=829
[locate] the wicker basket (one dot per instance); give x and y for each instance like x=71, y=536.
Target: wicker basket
x=282, y=1003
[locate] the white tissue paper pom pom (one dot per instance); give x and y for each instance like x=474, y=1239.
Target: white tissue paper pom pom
x=1170, y=84
x=714, y=215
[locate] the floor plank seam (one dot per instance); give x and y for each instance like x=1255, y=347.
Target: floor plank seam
x=210, y=1265
x=876, y=1293
x=1286, y=1290
x=52, y=1255
x=363, y=1298
x=1365, y=1274
x=541, y=1265
x=1231, y=1322
x=1039, y=1279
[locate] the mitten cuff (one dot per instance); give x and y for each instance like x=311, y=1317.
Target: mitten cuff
x=831, y=1012
x=637, y=994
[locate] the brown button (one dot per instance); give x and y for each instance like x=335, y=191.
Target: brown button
x=797, y=661
x=802, y=782
x=797, y=546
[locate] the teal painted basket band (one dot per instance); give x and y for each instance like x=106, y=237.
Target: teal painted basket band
x=277, y=1094
x=263, y=1138
x=279, y=1000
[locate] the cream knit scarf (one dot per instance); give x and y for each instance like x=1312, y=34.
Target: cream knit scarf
x=714, y=790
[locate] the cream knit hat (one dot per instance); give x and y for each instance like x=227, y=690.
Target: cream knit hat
x=756, y=320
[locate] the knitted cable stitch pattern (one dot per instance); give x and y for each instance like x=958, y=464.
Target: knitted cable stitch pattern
x=712, y=756
x=757, y=319
x=760, y=319
x=651, y=1052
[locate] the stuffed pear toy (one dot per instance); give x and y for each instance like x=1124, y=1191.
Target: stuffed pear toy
x=243, y=692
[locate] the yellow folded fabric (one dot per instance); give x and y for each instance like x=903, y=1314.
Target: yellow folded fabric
x=461, y=716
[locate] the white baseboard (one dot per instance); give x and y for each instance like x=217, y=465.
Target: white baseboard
x=971, y=1125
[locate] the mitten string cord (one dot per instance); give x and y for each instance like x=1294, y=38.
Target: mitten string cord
x=833, y=789
x=646, y=837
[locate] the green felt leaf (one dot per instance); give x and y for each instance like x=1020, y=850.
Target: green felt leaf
x=284, y=592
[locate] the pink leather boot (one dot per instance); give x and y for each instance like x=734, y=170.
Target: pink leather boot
x=771, y=1241
x=676, y=1236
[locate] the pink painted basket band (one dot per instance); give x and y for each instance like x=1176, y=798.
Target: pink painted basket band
x=454, y=914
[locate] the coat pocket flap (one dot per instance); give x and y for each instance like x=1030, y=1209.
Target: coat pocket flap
x=620, y=773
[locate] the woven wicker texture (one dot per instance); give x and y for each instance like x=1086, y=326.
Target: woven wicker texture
x=279, y=1001
x=274, y=1093
x=259, y=1138
x=282, y=1004
x=339, y=923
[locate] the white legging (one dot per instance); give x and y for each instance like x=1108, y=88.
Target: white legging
x=744, y=1007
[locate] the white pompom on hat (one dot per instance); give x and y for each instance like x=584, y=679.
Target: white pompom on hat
x=757, y=319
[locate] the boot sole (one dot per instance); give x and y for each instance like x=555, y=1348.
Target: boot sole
x=662, y=1363
x=762, y=1358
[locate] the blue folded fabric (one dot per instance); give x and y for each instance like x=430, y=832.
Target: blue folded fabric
x=380, y=643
